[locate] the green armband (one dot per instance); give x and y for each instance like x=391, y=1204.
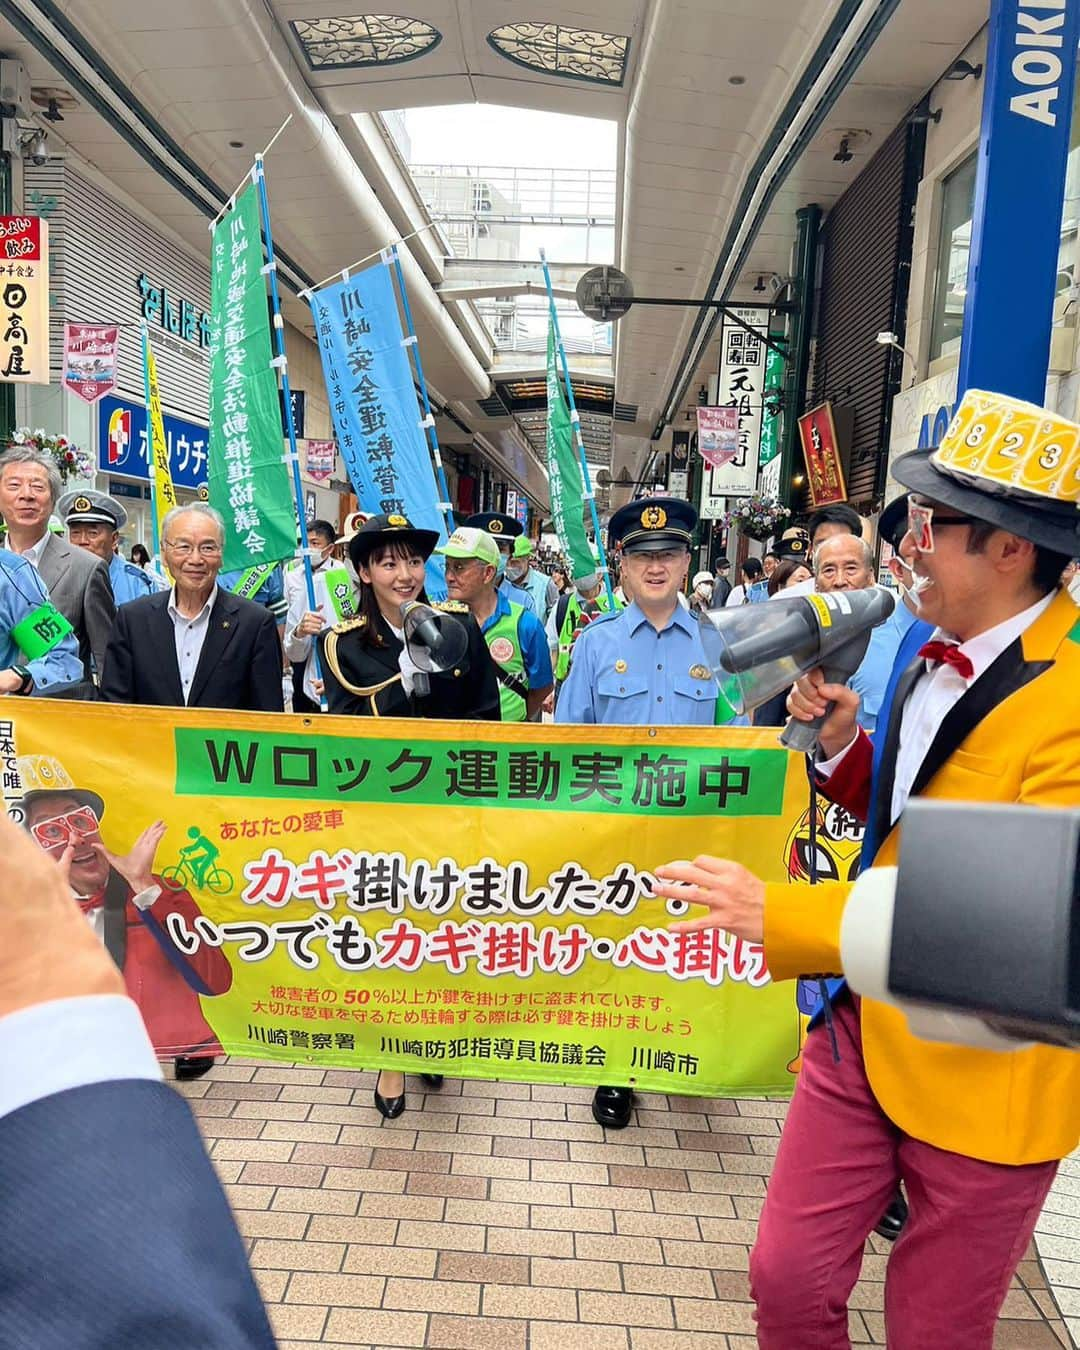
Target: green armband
x=40, y=631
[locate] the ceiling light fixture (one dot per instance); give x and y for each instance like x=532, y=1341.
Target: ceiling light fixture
x=736, y=79
x=961, y=70
x=924, y=115
x=843, y=154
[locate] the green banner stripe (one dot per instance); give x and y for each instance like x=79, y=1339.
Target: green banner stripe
x=634, y=780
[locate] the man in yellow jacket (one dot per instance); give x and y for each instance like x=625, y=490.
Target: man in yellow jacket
x=989, y=711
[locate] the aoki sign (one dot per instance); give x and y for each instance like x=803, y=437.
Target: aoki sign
x=1016, y=230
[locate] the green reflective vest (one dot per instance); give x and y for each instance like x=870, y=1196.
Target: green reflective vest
x=505, y=648
x=572, y=626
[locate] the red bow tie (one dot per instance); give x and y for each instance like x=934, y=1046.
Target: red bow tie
x=951, y=655
x=88, y=903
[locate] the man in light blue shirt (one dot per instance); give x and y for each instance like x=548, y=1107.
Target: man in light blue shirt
x=44, y=658
x=645, y=665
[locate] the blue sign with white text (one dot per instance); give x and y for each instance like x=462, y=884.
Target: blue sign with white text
x=373, y=402
x=1019, y=189
x=122, y=444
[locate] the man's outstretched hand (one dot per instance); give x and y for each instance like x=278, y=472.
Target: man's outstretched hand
x=48, y=951
x=733, y=896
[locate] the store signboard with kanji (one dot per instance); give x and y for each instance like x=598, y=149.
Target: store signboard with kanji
x=24, y=300
x=741, y=388
x=824, y=471
x=434, y=896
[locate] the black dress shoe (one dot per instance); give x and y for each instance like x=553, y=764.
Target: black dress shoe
x=389, y=1107
x=433, y=1080
x=612, y=1106
x=193, y=1066
x=891, y=1223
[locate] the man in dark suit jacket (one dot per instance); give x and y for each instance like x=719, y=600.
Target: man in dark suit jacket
x=195, y=645
x=78, y=582
x=96, y=1150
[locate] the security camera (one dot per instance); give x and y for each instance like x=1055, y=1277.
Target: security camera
x=36, y=150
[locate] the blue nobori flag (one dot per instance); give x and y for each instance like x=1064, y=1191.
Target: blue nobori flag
x=374, y=406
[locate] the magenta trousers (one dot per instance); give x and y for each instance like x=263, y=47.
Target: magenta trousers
x=839, y=1163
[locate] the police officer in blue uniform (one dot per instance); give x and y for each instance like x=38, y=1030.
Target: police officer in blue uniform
x=93, y=521
x=644, y=665
x=504, y=530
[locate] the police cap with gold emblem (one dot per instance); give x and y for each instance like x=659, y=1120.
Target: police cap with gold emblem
x=84, y=506
x=496, y=524
x=1006, y=462
x=652, y=523
x=378, y=531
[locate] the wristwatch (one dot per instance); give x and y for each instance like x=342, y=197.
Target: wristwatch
x=26, y=677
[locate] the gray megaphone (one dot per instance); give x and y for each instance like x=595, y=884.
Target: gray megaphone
x=758, y=651
x=435, y=640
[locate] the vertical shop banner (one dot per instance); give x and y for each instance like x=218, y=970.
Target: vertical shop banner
x=162, y=490
x=90, y=360
x=373, y=402
x=824, y=472
x=741, y=387
x=471, y=900
x=248, y=478
x=769, y=458
x=564, y=472
x=24, y=300
x=319, y=457
x=718, y=435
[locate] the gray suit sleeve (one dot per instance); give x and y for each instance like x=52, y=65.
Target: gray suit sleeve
x=99, y=613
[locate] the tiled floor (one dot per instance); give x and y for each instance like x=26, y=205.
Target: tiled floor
x=499, y=1215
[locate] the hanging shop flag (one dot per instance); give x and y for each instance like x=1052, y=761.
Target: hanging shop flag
x=90, y=359
x=473, y=899
x=374, y=406
x=718, y=435
x=161, y=483
x=824, y=472
x=769, y=459
x=319, y=459
x=248, y=478
x=741, y=385
x=564, y=471
x=24, y=300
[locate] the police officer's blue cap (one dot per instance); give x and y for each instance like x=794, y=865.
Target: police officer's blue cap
x=893, y=522
x=652, y=523
x=496, y=524
x=84, y=506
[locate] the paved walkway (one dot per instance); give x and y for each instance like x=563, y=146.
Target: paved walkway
x=499, y=1215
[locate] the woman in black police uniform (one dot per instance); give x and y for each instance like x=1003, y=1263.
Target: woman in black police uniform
x=365, y=674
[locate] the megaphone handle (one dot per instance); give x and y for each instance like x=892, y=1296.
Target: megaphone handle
x=803, y=736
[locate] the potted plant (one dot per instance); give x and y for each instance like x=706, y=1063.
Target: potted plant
x=758, y=516
x=70, y=460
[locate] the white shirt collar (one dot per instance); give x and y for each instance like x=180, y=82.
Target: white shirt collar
x=175, y=614
x=985, y=648
x=34, y=552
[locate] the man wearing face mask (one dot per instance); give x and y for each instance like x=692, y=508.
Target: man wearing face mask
x=520, y=572
x=504, y=530
x=335, y=602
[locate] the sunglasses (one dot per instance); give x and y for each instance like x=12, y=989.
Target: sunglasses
x=921, y=522
x=59, y=831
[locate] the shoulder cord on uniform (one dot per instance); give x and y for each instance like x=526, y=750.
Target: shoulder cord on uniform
x=330, y=652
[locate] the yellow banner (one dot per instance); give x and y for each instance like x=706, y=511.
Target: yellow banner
x=160, y=471
x=471, y=900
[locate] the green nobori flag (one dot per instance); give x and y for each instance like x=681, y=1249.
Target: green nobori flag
x=247, y=475
x=564, y=472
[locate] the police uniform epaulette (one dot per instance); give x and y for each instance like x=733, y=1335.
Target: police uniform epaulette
x=347, y=625
x=451, y=606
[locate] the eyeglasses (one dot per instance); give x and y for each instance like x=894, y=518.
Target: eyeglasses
x=184, y=548
x=922, y=520
x=59, y=831
x=455, y=565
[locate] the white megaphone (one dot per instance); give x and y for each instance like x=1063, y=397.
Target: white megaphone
x=434, y=640
x=758, y=651
x=943, y=937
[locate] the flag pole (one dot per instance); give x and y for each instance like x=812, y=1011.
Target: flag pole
x=445, y=505
x=281, y=365
x=150, y=441
x=579, y=444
